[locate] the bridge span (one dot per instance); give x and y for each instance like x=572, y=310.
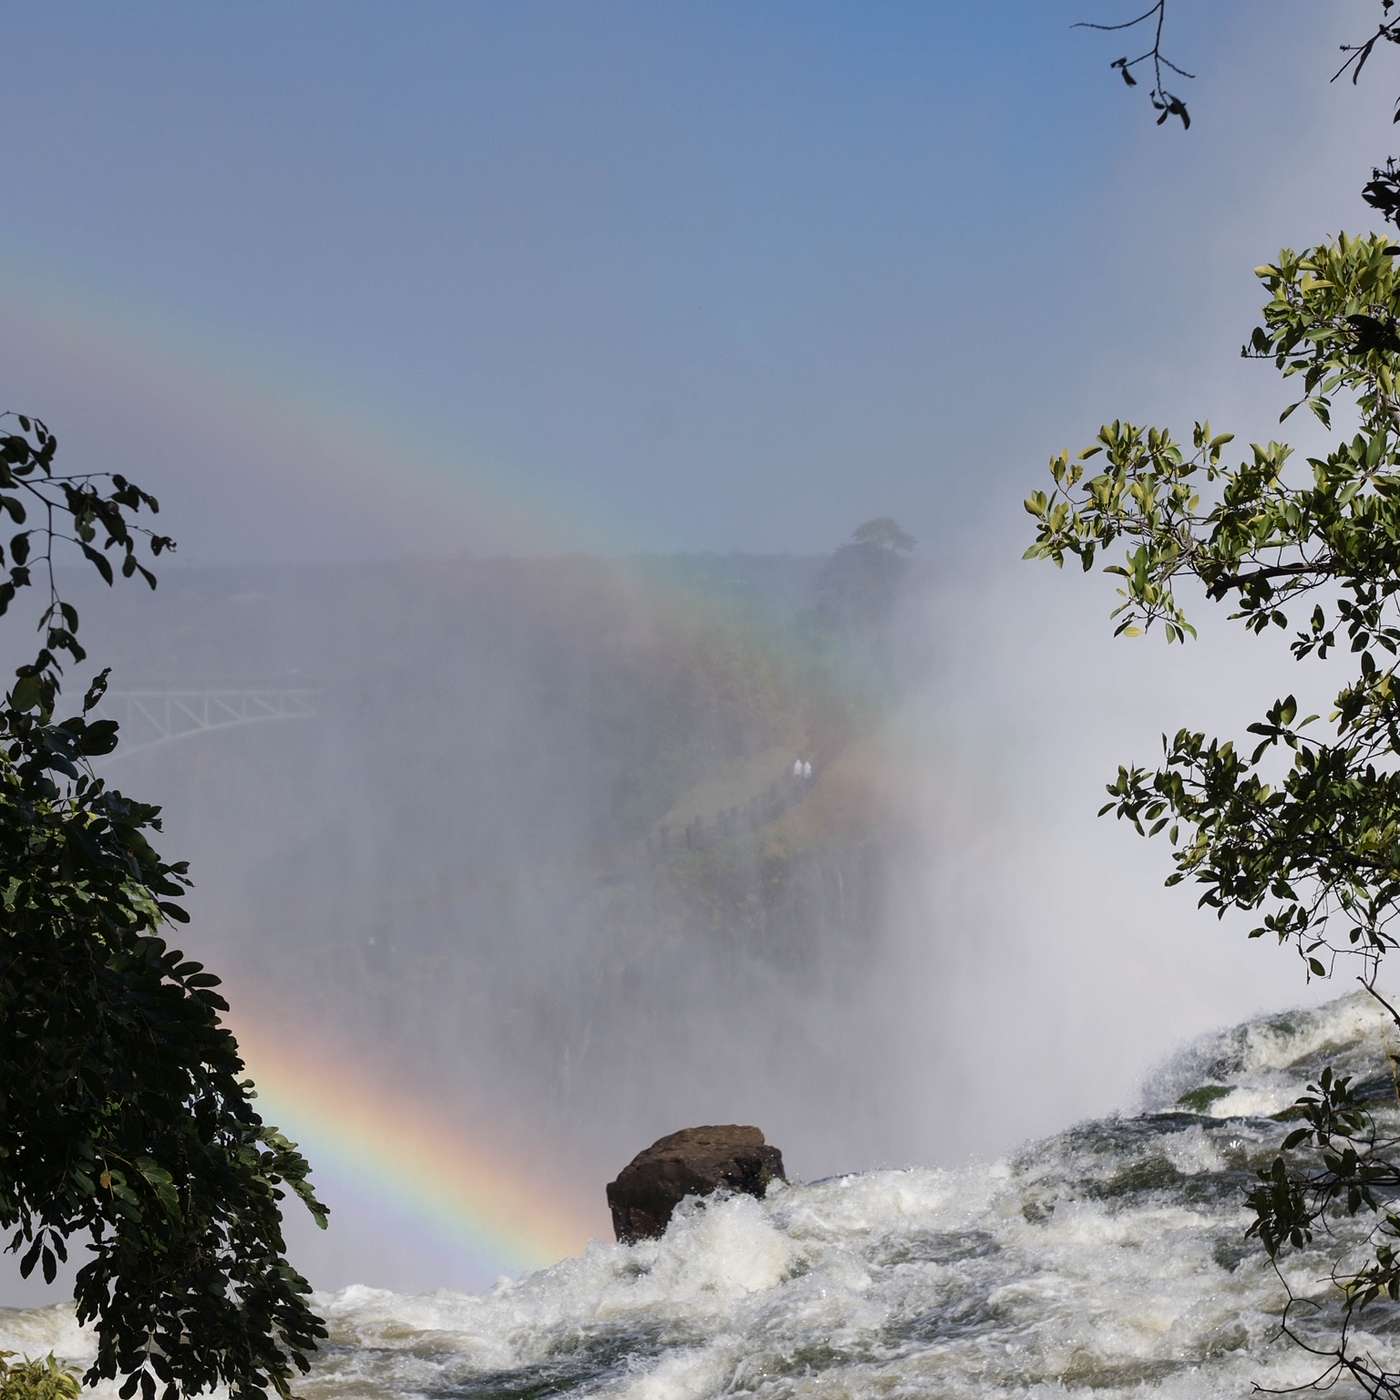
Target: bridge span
x=150, y=719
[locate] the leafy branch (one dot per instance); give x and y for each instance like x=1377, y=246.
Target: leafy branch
x=1296, y=824
x=1387, y=31
x=126, y=1117
x=1353, y=1168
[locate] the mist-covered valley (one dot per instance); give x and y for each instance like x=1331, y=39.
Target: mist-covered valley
x=539, y=851
x=529, y=863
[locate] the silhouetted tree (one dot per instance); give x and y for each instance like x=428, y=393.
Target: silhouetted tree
x=860, y=584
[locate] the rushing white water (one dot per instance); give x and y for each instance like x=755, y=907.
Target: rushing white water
x=1109, y=1259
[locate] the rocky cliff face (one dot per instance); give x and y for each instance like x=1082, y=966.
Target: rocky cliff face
x=805, y=911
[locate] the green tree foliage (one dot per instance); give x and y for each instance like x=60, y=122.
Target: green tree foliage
x=36, y=1380
x=126, y=1121
x=1297, y=823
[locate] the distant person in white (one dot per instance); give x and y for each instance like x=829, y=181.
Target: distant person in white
x=807, y=770
x=797, y=768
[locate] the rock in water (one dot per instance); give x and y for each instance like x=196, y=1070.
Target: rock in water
x=692, y=1162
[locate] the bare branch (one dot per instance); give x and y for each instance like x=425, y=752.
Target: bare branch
x=1166, y=103
x=1357, y=54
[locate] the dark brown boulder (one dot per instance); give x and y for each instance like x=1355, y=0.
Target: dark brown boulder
x=692, y=1162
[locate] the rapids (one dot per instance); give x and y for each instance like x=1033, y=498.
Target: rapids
x=1107, y=1260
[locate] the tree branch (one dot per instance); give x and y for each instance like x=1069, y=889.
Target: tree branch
x=1267, y=571
x=1359, y=53
x=1166, y=103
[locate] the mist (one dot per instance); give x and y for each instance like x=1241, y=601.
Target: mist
x=538, y=519
x=466, y=889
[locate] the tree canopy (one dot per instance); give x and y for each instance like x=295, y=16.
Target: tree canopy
x=859, y=584
x=126, y=1119
x=885, y=533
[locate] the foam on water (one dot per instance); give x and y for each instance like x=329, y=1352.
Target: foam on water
x=1109, y=1260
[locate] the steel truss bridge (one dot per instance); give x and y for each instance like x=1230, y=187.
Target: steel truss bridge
x=150, y=719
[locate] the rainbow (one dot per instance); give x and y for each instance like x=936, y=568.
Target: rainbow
x=383, y=1136
x=280, y=416
x=358, y=1123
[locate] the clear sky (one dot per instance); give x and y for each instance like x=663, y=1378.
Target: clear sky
x=350, y=279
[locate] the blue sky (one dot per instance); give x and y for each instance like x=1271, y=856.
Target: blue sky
x=348, y=279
